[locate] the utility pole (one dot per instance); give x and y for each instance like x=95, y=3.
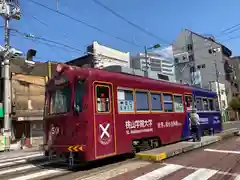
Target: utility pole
x=9, y=9
x=146, y=58
x=218, y=86
x=156, y=46
x=193, y=72
x=214, y=50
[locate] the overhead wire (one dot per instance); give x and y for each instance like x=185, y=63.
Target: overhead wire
x=85, y=23
x=123, y=18
x=46, y=42
x=153, y=35
x=129, y=22
x=200, y=48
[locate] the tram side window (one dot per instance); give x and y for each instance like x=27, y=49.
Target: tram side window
x=156, y=100
x=199, y=104
x=125, y=101
x=103, y=99
x=205, y=104
x=188, y=102
x=78, y=95
x=211, y=104
x=178, y=103
x=168, y=104
x=142, y=101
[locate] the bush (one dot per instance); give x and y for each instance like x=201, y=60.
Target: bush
x=235, y=104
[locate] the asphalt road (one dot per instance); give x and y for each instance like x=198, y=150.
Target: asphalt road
x=213, y=164
x=231, y=124
x=219, y=161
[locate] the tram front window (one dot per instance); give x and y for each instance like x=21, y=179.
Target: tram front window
x=60, y=100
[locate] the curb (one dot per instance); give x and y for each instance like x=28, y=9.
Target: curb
x=164, y=155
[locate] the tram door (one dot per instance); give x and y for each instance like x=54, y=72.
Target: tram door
x=104, y=122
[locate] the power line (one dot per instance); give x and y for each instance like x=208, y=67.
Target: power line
x=105, y=32
x=223, y=32
x=129, y=22
x=83, y=22
x=33, y=37
x=46, y=40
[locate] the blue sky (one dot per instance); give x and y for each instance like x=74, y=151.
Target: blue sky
x=163, y=18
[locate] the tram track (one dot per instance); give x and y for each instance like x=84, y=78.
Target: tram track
x=93, y=169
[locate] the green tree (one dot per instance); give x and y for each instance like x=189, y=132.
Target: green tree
x=235, y=104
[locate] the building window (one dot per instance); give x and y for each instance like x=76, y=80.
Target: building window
x=191, y=58
x=192, y=69
x=222, y=92
x=125, y=100
x=176, y=60
x=168, y=104
x=183, y=58
x=156, y=100
x=189, y=47
x=178, y=103
x=203, y=65
x=142, y=101
x=103, y=104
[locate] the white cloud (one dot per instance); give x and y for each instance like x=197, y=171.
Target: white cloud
x=167, y=53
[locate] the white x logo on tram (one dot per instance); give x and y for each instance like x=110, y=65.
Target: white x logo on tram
x=104, y=130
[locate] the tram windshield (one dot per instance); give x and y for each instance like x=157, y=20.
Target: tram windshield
x=60, y=100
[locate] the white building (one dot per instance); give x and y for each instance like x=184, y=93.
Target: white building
x=105, y=56
x=223, y=95
x=157, y=65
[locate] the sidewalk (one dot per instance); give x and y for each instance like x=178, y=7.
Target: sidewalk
x=168, y=151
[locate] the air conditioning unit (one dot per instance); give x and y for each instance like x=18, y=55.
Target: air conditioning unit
x=181, y=57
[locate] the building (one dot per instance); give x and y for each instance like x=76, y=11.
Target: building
x=99, y=56
x=156, y=65
x=28, y=82
x=222, y=91
x=198, y=58
x=235, y=62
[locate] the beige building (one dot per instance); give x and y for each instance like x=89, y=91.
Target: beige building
x=100, y=56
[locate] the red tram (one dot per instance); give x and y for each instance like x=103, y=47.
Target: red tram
x=92, y=114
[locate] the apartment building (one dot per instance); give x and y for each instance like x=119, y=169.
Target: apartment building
x=155, y=65
x=198, y=59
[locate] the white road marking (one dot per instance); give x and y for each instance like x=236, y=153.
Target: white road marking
x=201, y=174
x=36, y=175
x=237, y=178
x=22, y=157
x=219, y=172
x=13, y=163
x=222, y=151
x=21, y=168
x=110, y=173
x=161, y=172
